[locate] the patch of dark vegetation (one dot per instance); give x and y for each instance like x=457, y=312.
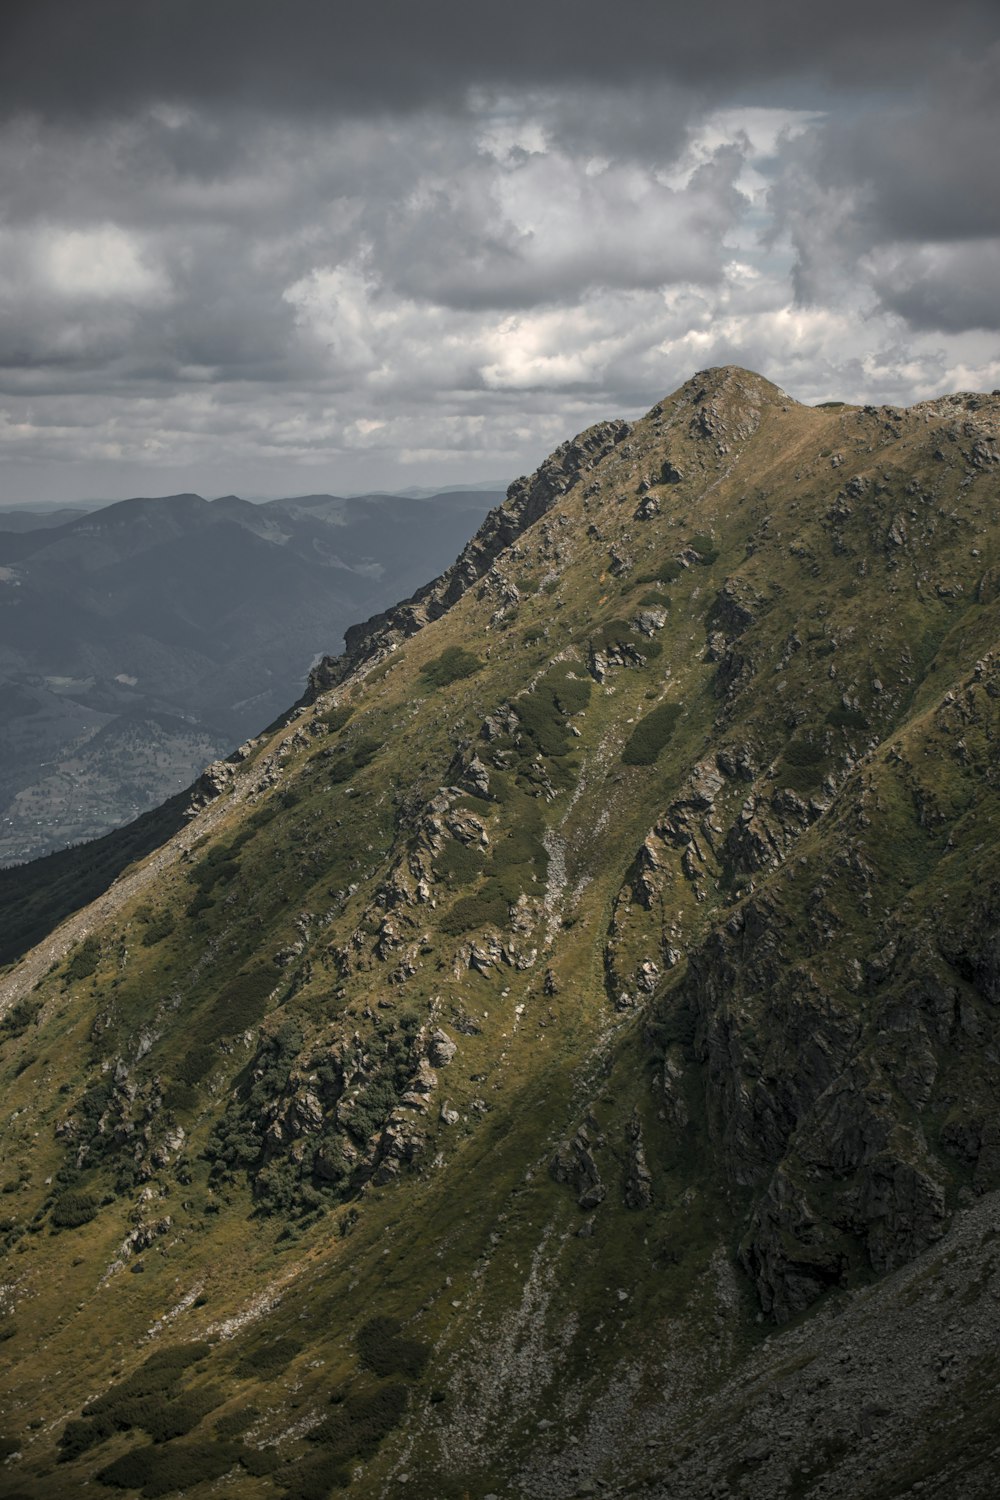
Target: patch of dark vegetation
x=847, y=718
x=803, y=764
x=518, y=862
x=155, y=1470
x=543, y=713
x=20, y=1016
x=667, y=572
x=71, y=1210
x=383, y=1349
x=232, y=1423
x=338, y=717
x=705, y=548
x=484, y=909
x=651, y=735
x=148, y=1399
x=84, y=960
x=459, y=863
x=300, y=1187
x=354, y=1430
x=354, y=758
x=452, y=665
x=158, y=928
x=263, y=1361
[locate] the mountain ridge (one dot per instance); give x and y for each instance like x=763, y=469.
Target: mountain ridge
x=587, y=993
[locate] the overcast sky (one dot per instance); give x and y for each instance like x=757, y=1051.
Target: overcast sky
x=300, y=246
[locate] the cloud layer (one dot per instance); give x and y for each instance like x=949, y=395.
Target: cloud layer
x=277, y=248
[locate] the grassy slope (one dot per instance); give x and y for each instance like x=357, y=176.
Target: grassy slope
x=476, y=1250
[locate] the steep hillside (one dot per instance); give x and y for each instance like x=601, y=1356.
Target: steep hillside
x=562, y=1058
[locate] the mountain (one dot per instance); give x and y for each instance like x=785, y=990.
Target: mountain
x=560, y=1057
x=144, y=639
x=32, y=518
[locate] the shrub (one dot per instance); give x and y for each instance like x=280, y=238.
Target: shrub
x=72, y=1210
x=458, y=863
x=260, y=1461
x=354, y=758
x=20, y=1016
x=358, y=1424
x=232, y=1423
x=651, y=735
x=159, y=928
x=667, y=572
x=804, y=765
x=314, y=1478
x=78, y=1436
x=383, y=1350
x=474, y=911
x=705, y=548
x=846, y=718
x=337, y=717
x=542, y=712
x=572, y=694
x=86, y=957
x=175, y=1466
x=265, y=1361
x=453, y=664
x=157, y=1375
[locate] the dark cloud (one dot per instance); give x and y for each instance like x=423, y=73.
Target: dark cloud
x=279, y=247
x=904, y=197
x=114, y=55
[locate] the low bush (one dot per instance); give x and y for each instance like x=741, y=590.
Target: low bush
x=651, y=735
x=459, y=863
x=79, y=1436
x=158, y=928
x=314, y=1478
x=667, y=572
x=232, y=1423
x=383, y=1349
x=242, y=1002
x=174, y=1466
x=478, y=910
x=20, y=1016
x=705, y=547
x=453, y=664
x=73, y=1209
x=338, y=717
x=265, y=1361
x=847, y=718
x=86, y=957
x=158, y=1375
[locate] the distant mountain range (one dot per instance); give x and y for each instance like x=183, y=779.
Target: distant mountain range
x=142, y=639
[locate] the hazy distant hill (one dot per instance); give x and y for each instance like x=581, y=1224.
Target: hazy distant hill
x=37, y=518
x=143, y=639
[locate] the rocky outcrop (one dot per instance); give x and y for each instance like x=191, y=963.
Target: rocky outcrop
x=574, y=1164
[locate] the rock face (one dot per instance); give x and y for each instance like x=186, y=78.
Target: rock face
x=574, y=1164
